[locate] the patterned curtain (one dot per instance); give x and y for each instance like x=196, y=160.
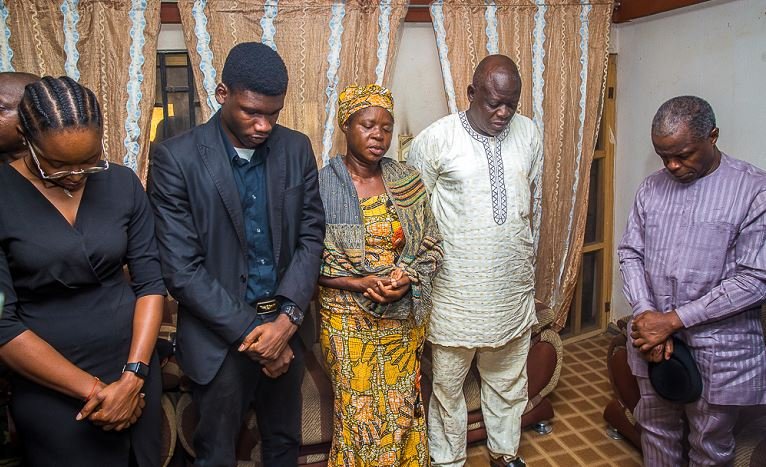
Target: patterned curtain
x=326, y=45
x=110, y=46
x=560, y=47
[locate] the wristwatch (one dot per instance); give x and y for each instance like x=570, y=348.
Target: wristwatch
x=141, y=369
x=294, y=314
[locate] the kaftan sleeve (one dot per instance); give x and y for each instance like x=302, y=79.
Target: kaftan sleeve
x=535, y=177
x=424, y=156
x=631, y=255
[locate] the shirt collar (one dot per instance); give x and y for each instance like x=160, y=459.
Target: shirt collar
x=260, y=152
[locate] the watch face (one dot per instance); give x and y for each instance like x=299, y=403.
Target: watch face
x=293, y=314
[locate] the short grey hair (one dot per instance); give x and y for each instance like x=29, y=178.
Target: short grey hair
x=693, y=112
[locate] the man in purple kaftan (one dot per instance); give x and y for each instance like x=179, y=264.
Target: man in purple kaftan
x=693, y=262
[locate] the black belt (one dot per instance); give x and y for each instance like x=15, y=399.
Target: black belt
x=266, y=307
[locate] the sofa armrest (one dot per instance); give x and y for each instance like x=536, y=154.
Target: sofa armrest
x=545, y=317
x=624, y=384
x=620, y=418
x=547, y=355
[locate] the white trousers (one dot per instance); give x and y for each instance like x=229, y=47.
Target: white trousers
x=503, y=372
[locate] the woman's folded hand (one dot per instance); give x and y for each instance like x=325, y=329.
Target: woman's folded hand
x=117, y=405
x=397, y=287
x=362, y=284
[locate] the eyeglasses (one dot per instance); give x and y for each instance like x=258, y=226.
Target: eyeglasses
x=103, y=164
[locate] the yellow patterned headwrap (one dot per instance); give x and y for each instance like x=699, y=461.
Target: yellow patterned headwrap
x=355, y=98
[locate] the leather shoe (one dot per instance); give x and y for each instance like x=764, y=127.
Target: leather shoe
x=518, y=462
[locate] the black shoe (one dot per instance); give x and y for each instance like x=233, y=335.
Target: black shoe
x=518, y=462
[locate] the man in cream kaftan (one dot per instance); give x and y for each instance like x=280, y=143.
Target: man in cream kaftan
x=482, y=168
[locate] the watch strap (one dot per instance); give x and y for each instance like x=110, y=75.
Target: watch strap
x=294, y=314
x=141, y=369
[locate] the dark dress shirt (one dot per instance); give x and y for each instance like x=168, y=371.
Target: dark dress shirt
x=250, y=177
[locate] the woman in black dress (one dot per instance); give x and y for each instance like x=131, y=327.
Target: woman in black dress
x=77, y=333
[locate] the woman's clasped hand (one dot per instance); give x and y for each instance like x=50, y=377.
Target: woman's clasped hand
x=115, y=406
x=386, y=289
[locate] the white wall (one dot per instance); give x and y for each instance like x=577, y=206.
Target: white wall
x=715, y=50
x=416, y=83
x=171, y=38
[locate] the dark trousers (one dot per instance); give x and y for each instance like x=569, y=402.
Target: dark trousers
x=223, y=403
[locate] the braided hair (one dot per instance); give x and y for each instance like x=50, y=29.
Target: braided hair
x=58, y=104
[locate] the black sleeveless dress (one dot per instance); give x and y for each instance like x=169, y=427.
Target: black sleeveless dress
x=66, y=284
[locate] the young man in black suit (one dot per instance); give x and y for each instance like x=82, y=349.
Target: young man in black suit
x=240, y=226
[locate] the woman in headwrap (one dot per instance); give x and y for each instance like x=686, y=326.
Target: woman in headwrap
x=382, y=250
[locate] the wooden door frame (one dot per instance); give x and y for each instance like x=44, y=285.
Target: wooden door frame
x=606, y=203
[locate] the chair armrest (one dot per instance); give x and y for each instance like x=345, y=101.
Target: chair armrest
x=545, y=317
x=624, y=384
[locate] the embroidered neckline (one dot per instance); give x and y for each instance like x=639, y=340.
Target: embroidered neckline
x=492, y=150
x=479, y=137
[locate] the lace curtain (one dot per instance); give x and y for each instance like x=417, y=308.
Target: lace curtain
x=326, y=46
x=109, y=46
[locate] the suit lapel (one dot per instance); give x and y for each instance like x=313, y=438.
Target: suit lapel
x=276, y=169
x=213, y=154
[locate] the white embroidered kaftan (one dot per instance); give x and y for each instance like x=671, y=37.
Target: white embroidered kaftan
x=481, y=194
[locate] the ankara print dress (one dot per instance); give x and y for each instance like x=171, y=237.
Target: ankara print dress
x=374, y=364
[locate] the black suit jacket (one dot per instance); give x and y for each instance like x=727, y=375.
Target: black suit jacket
x=201, y=237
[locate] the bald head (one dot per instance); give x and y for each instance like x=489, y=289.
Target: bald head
x=494, y=67
x=11, y=90
x=494, y=95
x=17, y=78
x=12, y=84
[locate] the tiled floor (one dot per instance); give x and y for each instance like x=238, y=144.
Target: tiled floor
x=578, y=437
